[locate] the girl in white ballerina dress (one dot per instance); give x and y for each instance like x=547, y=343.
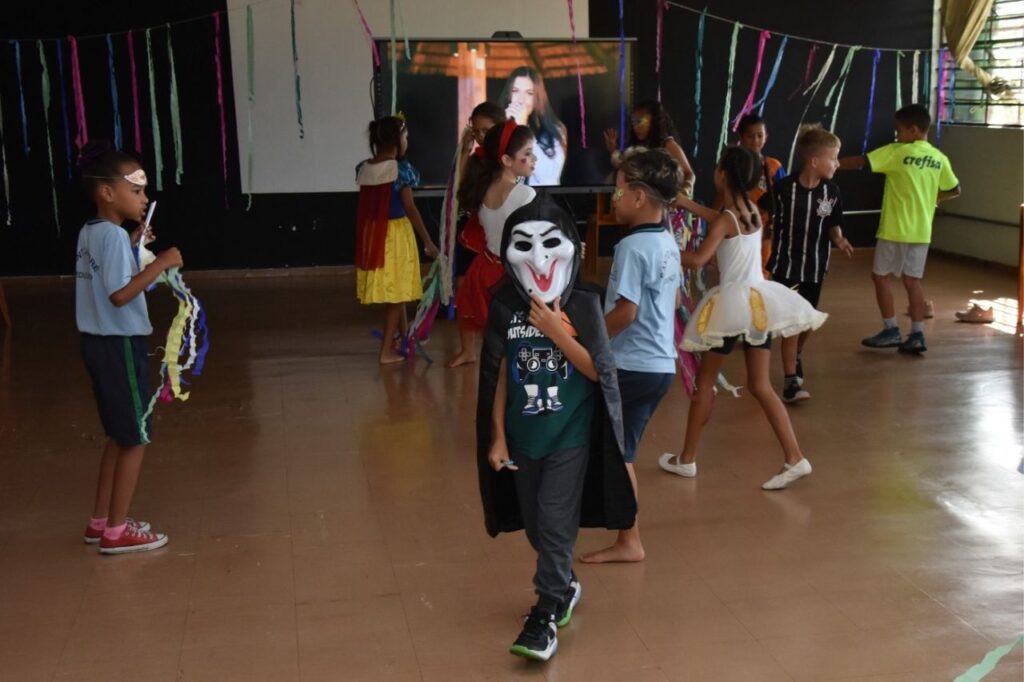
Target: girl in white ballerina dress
x=744, y=307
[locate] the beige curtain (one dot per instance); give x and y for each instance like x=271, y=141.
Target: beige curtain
x=963, y=21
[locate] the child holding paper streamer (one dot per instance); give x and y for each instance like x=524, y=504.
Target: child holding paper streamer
x=111, y=313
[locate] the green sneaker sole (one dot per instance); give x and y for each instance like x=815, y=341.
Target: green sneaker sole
x=527, y=653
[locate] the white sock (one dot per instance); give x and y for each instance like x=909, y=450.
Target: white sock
x=917, y=327
x=890, y=323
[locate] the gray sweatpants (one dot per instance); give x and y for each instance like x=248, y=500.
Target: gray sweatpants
x=550, y=490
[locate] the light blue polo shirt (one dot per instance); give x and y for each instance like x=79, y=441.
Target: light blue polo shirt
x=646, y=271
x=104, y=264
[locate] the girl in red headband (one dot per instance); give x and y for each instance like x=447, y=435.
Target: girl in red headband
x=493, y=191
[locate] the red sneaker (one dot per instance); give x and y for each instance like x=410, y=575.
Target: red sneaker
x=92, y=537
x=132, y=540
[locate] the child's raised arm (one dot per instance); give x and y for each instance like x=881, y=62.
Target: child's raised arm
x=549, y=322
x=716, y=233
x=699, y=210
x=853, y=162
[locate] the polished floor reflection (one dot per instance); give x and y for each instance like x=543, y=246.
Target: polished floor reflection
x=324, y=520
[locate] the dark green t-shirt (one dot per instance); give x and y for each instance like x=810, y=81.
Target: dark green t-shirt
x=549, y=405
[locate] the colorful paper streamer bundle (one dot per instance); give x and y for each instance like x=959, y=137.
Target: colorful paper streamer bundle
x=188, y=342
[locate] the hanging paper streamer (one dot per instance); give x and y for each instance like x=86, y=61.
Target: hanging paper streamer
x=841, y=82
x=449, y=214
x=401, y=27
x=154, y=119
x=369, y=33
x=622, y=76
x=394, y=62
x=914, y=77
x=179, y=165
x=942, y=80
x=64, y=109
x=771, y=77
x=250, y=70
x=187, y=337
x=135, y=93
x=662, y=6
x=899, y=84
x=805, y=83
x=45, y=82
x=812, y=87
x=220, y=103
x=118, y=141
x=748, y=104
x=871, y=97
x=82, y=134
x=696, y=91
x=926, y=91
x=295, y=72
x=579, y=80
x=21, y=98
x=3, y=158
x=722, y=137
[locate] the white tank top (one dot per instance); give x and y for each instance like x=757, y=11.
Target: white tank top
x=493, y=219
x=739, y=257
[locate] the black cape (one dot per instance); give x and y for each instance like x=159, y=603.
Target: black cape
x=608, y=499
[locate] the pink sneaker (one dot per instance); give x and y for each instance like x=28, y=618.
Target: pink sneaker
x=92, y=537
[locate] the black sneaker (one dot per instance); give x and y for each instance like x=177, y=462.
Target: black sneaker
x=539, y=639
x=572, y=597
x=914, y=344
x=794, y=392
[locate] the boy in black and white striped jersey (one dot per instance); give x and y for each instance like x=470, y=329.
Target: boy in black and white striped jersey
x=807, y=222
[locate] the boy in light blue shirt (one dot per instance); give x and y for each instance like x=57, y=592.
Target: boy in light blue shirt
x=643, y=296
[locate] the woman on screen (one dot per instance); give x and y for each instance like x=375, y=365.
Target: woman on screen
x=526, y=100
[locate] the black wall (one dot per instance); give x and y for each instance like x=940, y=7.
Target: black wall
x=315, y=229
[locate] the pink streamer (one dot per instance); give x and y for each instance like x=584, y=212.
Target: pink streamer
x=943, y=84
x=369, y=34
x=579, y=79
x=220, y=103
x=807, y=72
x=82, y=134
x=135, y=95
x=748, y=104
x=662, y=5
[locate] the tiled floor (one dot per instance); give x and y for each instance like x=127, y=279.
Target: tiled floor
x=325, y=522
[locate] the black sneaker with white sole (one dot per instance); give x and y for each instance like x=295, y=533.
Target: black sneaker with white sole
x=572, y=597
x=794, y=392
x=539, y=639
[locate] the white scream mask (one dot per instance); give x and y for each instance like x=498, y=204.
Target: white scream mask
x=541, y=257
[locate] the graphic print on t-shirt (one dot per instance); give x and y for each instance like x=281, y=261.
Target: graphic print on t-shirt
x=539, y=366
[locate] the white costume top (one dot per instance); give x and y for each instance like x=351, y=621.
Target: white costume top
x=745, y=303
x=493, y=219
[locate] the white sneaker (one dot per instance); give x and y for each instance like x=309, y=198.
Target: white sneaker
x=788, y=475
x=670, y=462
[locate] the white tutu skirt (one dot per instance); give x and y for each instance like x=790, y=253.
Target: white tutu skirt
x=749, y=309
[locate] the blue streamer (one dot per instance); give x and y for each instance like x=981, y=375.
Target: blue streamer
x=871, y=99
x=21, y=98
x=696, y=92
x=622, y=76
x=771, y=78
x=64, y=108
x=118, y=141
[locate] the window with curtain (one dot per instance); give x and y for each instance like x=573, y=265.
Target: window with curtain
x=999, y=50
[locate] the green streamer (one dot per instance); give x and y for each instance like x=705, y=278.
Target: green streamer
x=405, y=35
x=844, y=72
x=899, y=86
x=298, y=80
x=989, y=663
x=394, y=65
x=728, y=88
x=179, y=165
x=46, y=124
x=157, y=153
x=250, y=70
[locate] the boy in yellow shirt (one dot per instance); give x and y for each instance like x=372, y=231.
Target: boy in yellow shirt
x=917, y=177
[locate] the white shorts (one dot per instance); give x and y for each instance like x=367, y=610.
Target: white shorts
x=900, y=259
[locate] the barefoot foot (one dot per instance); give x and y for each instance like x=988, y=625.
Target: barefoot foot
x=390, y=357
x=463, y=358
x=617, y=553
